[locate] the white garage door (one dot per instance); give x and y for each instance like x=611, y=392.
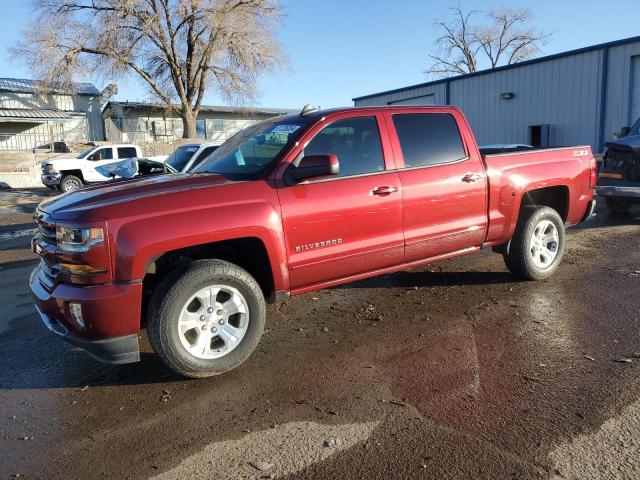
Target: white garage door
x=424, y=100
x=635, y=89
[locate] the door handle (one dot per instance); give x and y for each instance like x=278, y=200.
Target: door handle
x=384, y=191
x=471, y=177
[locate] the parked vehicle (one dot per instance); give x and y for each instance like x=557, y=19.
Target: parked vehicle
x=287, y=206
x=186, y=157
x=134, y=168
x=68, y=174
x=619, y=178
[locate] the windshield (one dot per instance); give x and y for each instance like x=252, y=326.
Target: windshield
x=635, y=130
x=179, y=158
x=248, y=154
x=86, y=152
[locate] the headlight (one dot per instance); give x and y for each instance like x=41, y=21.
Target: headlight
x=48, y=168
x=78, y=239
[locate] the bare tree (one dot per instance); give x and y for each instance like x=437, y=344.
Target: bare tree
x=179, y=48
x=464, y=46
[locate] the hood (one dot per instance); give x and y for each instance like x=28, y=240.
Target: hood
x=72, y=205
x=626, y=144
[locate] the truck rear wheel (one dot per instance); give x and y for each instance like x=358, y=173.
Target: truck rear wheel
x=538, y=244
x=206, y=318
x=70, y=183
x=617, y=205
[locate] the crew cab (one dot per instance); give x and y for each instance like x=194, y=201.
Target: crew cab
x=619, y=177
x=287, y=206
x=188, y=156
x=69, y=174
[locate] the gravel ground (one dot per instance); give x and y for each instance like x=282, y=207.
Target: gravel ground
x=455, y=370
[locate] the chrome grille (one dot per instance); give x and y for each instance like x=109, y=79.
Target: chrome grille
x=48, y=275
x=46, y=229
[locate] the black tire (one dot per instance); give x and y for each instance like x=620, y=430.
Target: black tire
x=70, y=183
x=618, y=206
x=518, y=256
x=171, y=296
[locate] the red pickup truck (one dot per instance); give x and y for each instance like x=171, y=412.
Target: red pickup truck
x=290, y=205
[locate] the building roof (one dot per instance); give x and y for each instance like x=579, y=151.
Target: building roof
x=32, y=114
x=505, y=67
x=204, y=108
x=23, y=85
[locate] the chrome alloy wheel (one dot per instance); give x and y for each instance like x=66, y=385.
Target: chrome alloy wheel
x=544, y=244
x=71, y=185
x=213, y=322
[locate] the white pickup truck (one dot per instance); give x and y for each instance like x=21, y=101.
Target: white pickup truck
x=70, y=173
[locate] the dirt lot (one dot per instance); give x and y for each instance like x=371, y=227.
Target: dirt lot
x=455, y=370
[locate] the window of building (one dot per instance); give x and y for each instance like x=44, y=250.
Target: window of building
x=428, y=139
x=201, y=129
x=218, y=125
x=356, y=143
x=127, y=152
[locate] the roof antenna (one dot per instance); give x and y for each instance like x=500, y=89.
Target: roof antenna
x=308, y=109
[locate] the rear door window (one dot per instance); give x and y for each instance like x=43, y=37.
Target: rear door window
x=428, y=139
x=127, y=152
x=356, y=143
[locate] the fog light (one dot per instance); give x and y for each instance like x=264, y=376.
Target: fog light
x=76, y=314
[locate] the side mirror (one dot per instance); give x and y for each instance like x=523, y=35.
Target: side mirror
x=313, y=166
x=624, y=131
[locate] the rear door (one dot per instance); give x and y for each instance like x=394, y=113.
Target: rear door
x=350, y=224
x=102, y=156
x=444, y=188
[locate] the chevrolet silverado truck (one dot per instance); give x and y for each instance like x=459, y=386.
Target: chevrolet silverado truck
x=619, y=178
x=287, y=206
x=72, y=173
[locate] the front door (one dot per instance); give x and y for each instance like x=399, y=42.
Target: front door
x=349, y=224
x=102, y=156
x=444, y=188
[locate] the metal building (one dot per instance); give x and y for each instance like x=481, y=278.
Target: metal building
x=142, y=122
x=579, y=97
x=32, y=118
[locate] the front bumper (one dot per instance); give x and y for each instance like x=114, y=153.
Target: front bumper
x=51, y=178
x=116, y=350
x=109, y=317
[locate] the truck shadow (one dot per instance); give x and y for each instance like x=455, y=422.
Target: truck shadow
x=426, y=279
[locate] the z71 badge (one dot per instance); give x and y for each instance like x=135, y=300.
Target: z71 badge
x=325, y=243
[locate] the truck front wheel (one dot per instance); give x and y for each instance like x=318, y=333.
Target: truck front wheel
x=70, y=183
x=618, y=206
x=537, y=246
x=206, y=318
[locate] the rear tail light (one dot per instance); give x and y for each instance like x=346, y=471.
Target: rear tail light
x=593, y=177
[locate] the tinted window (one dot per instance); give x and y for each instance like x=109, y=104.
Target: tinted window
x=102, y=154
x=179, y=158
x=127, y=152
x=203, y=154
x=356, y=143
x=428, y=138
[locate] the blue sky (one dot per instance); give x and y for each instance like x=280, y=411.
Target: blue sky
x=340, y=49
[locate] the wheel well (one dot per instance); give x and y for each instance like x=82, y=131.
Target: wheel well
x=553, y=197
x=77, y=173
x=248, y=253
